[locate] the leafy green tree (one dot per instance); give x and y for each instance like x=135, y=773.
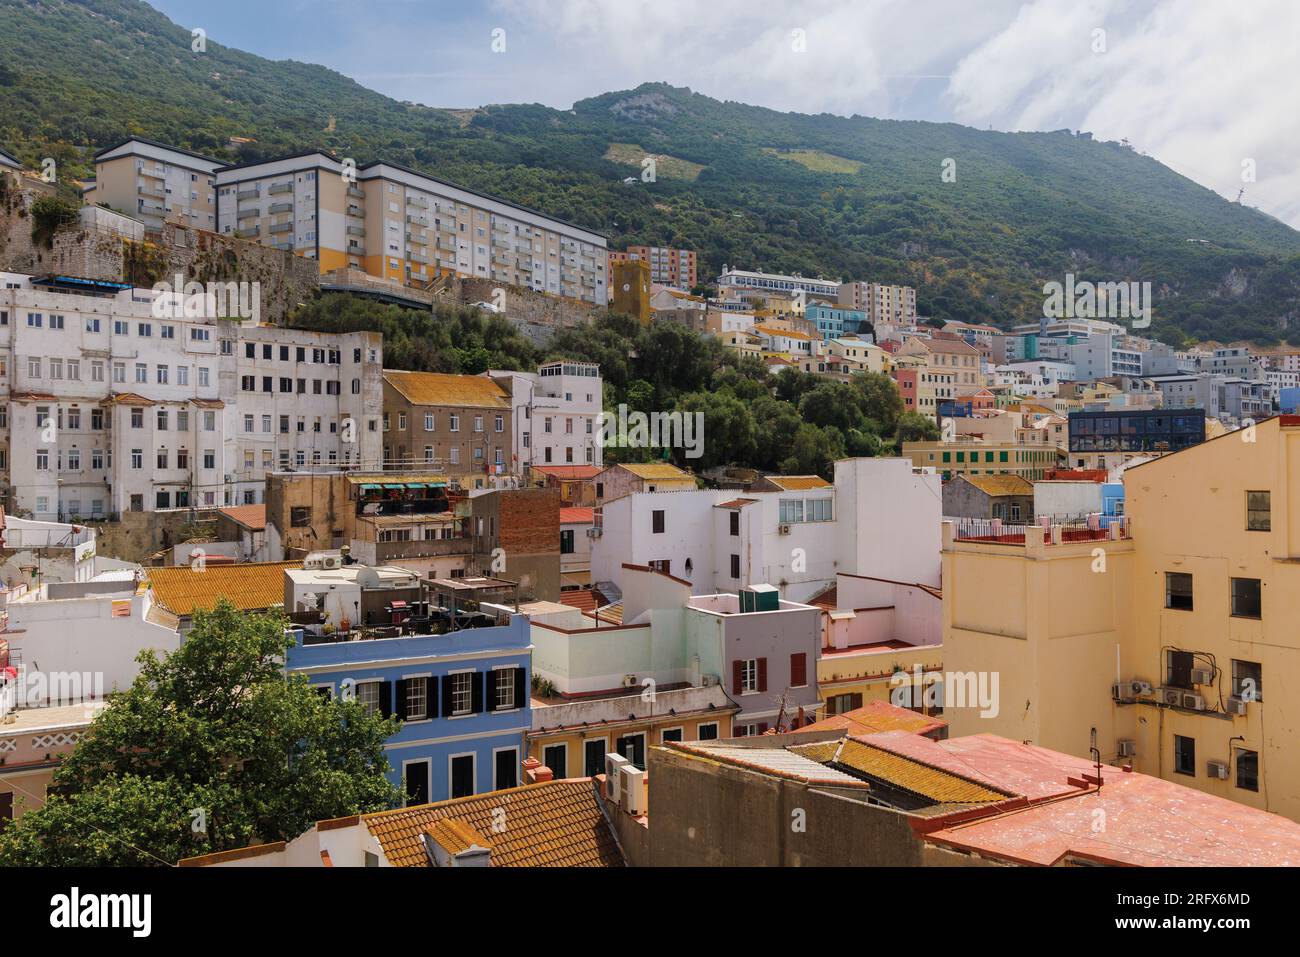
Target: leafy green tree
x=914, y=427
x=775, y=425
x=728, y=436
x=814, y=451
x=832, y=404
x=879, y=399
x=213, y=747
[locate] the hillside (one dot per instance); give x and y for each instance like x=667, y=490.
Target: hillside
x=844, y=197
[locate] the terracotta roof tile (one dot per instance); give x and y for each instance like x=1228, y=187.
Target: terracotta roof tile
x=903, y=772
x=252, y=516
x=655, y=471
x=577, y=516
x=437, y=388
x=553, y=824
x=1000, y=484
x=797, y=483
x=877, y=716
x=249, y=586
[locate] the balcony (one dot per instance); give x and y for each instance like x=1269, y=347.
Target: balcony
x=252, y=232
x=282, y=228
x=356, y=211
x=356, y=230
x=419, y=202
x=152, y=190
x=154, y=172
x=252, y=213
x=356, y=192
x=249, y=194
x=287, y=245
x=280, y=208
x=417, y=257
x=418, y=220
x=1097, y=528
x=277, y=188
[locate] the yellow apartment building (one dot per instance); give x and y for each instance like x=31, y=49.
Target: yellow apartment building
x=402, y=225
x=155, y=183
x=1171, y=650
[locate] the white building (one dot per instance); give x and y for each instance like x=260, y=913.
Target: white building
x=108, y=404
x=881, y=518
x=555, y=414
x=742, y=279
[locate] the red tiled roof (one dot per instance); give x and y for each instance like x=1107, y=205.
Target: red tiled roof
x=577, y=516
x=875, y=717
x=737, y=503
x=251, y=516
x=584, y=599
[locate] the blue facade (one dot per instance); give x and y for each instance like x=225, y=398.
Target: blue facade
x=1112, y=502
x=463, y=697
x=1289, y=399
x=834, y=322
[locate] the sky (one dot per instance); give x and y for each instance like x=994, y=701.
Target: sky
x=1207, y=87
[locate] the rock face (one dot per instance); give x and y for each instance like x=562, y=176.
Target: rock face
x=97, y=248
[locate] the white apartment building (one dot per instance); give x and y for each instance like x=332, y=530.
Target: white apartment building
x=881, y=518
x=107, y=407
x=154, y=183
x=742, y=279
x=556, y=414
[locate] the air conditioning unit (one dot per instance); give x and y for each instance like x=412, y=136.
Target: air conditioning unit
x=1127, y=747
x=783, y=529
x=708, y=681
x=1139, y=687
x=629, y=681
x=614, y=765
x=1235, y=706
x=1202, y=676
x=632, y=795
x=593, y=533
x=1193, y=701
x=1171, y=696
x=1217, y=769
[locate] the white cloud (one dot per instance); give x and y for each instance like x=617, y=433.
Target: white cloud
x=1201, y=85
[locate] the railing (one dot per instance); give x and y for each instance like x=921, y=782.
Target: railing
x=995, y=531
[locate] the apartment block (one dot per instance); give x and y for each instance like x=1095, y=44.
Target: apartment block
x=968, y=456
x=740, y=279
x=882, y=303
x=155, y=183
x=668, y=266
x=400, y=224
x=110, y=405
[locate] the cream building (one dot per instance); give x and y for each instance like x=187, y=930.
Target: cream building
x=1172, y=649
x=400, y=224
x=155, y=183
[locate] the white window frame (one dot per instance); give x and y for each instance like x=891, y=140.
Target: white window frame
x=518, y=766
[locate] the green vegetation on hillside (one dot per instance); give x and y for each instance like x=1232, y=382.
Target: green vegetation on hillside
x=1025, y=208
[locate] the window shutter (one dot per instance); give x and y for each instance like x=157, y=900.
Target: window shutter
x=762, y=728
x=737, y=677
x=490, y=679
x=446, y=696
x=476, y=692
x=799, y=669
x=762, y=674
x=431, y=692
x=521, y=687
x=401, y=698
x=386, y=698
x=855, y=700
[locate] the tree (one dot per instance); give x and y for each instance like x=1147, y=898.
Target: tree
x=914, y=427
x=728, y=435
x=879, y=399
x=814, y=451
x=213, y=747
x=832, y=404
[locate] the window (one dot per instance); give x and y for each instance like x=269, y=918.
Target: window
x=137, y=458
x=428, y=421
x=462, y=692
x=142, y=373
x=1247, y=680
x=182, y=420
x=657, y=522
x=748, y=675
x=163, y=458
x=182, y=458
x=92, y=325
x=505, y=768
x=1245, y=598
x=368, y=694
x=414, y=694
x=735, y=567
x=1178, y=591
x=819, y=510
x=1178, y=669
x=504, y=698
x=137, y=418
x=1184, y=755
x=1259, y=514
x=42, y=460
x=735, y=525
x=162, y=420
x=34, y=368
x=790, y=510
x=401, y=421
x=1248, y=770
x=462, y=775
x=707, y=732
x=455, y=423
x=300, y=516
x=566, y=541
x=209, y=459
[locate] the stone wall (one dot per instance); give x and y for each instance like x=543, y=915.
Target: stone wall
x=94, y=250
x=525, y=305
x=138, y=535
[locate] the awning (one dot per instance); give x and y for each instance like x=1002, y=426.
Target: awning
x=416, y=485
x=396, y=604
x=370, y=488
x=394, y=485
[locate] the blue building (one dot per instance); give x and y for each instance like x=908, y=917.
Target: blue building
x=459, y=679
x=1112, y=503
x=834, y=322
